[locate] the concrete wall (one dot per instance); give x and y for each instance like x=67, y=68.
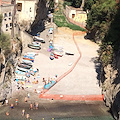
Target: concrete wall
x=26, y=38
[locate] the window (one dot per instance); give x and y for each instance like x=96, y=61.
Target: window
x=10, y=24
x=10, y=14
x=6, y=25
x=30, y=9
x=5, y=19
x=19, y=7
x=5, y=14
x=9, y=18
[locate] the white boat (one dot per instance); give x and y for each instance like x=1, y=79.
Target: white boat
x=58, y=54
x=36, y=43
x=19, y=72
x=22, y=69
x=38, y=39
x=31, y=53
x=27, y=61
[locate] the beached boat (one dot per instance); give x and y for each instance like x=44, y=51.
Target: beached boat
x=36, y=43
x=22, y=69
x=32, y=53
x=38, y=39
x=28, y=56
x=27, y=64
x=27, y=61
x=58, y=54
x=69, y=53
x=19, y=72
x=24, y=66
x=34, y=47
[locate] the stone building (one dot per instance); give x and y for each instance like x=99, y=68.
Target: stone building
x=26, y=11
x=76, y=14
x=7, y=11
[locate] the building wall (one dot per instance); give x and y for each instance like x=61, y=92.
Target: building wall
x=7, y=12
x=28, y=10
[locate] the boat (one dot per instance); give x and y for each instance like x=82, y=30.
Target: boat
x=24, y=66
x=19, y=72
x=38, y=39
x=22, y=69
x=34, y=47
x=32, y=53
x=32, y=60
x=58, y=54
x=36, y=43
x=27, y=61
x=68, y=53
x=27, y=64
x=28, y=56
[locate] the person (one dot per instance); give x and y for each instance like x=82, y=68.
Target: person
x=36, y=105
x=31, y=106
x=7, y=113
x=27, y=116
x=11, y=106
x=23, y=112
x=16, y=101
x=28, y=95
x=35, y=91
x=6, y=101
x=25, y=99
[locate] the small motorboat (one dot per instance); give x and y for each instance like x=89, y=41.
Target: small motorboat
x=36, y=43
x=38, y=39
x=59, y=54
x=27, y=61
x=22, y=69
x=24, y=66
x=19, y=72
x=68, y=53
x=34, y=47
x=28, y=56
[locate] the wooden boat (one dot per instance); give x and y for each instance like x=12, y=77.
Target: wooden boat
x=28, y=56
x=34, y=47
x=27, y=61
x=58, y=54
x=22, y=69
x=36, y=43
x=19, y=72
x=24, y=66
x=38, y=39
x=32, y=53
x=68, y=53
x=27, y=64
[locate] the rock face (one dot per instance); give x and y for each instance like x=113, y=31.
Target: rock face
x=110, y=79
x=41, y=13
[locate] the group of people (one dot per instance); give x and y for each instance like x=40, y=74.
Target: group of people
x=32, y=106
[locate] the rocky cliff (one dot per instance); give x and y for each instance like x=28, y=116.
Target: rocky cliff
x=110, y=79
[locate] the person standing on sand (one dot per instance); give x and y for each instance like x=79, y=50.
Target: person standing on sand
x=31, y=106
x=6, y=101
x=16, y=101
x=28, y=95
x=11, y=106
x=25, y=99
x=23, y=112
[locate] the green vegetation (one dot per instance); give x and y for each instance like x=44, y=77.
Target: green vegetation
x=102, y=23
x=60, y=21
x=5, y=43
